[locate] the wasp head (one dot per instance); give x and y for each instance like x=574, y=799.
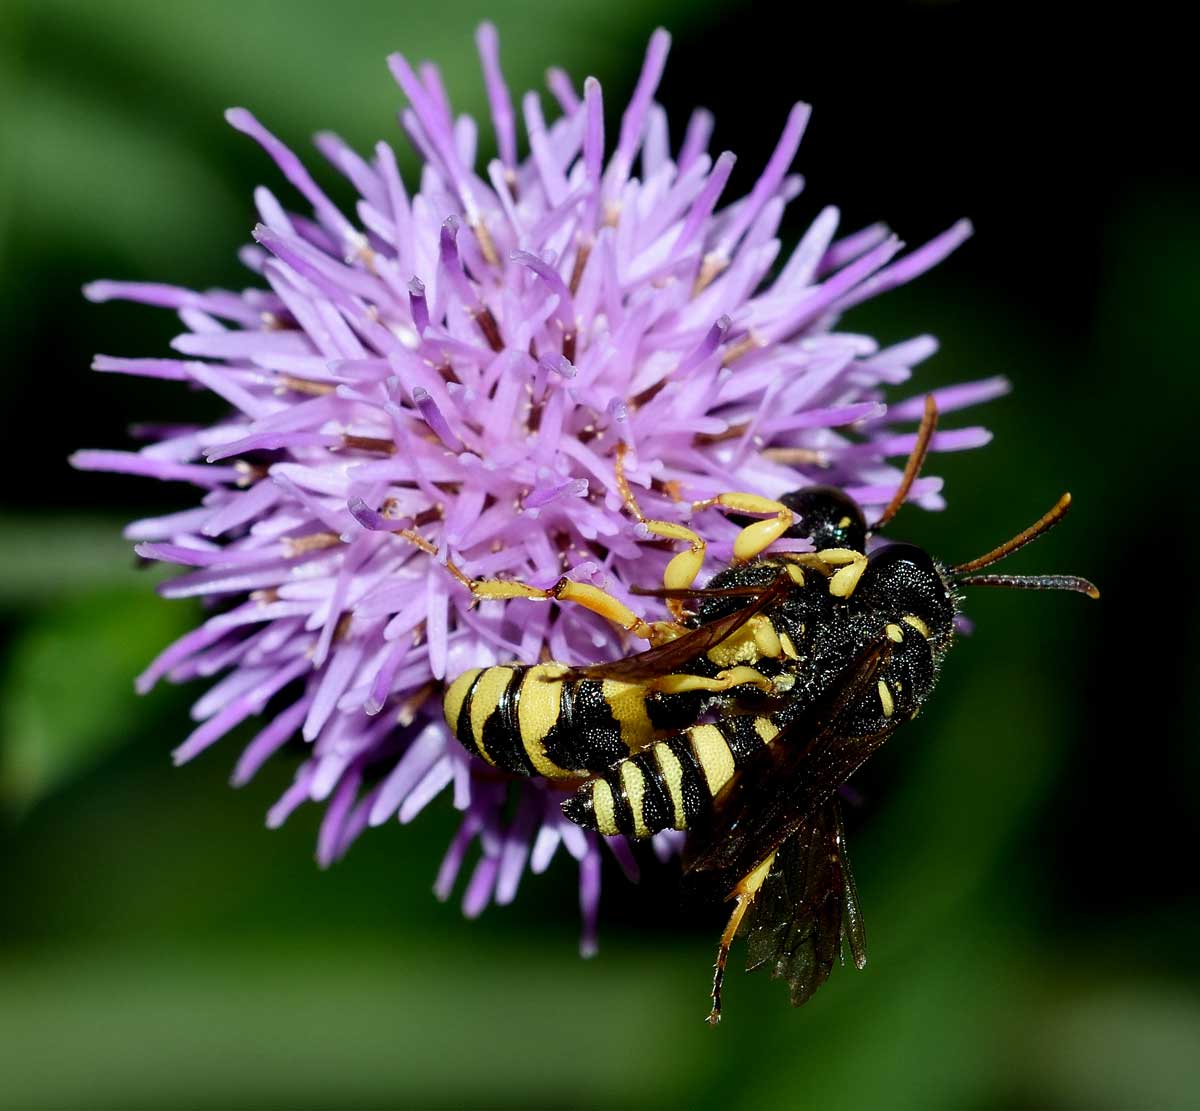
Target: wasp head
x=828, y=517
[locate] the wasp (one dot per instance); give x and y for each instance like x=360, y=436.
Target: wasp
x=746, y=715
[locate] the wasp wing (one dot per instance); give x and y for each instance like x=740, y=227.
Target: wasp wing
x=785, y=783
x=663, y=659
x=807, y=908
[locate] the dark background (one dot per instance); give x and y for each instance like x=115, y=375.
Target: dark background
x=1025, y=850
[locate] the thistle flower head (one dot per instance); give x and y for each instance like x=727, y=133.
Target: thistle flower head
x=447, y=372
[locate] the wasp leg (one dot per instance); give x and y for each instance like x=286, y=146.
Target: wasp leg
x=582, y=594
x=850, y=566
x=565, y=590
x=722, y=681
x=755, y=538
x=842, y=566
x=744, y=893
x=683, y=569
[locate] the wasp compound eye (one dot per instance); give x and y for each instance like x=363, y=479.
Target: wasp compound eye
x=828, y=517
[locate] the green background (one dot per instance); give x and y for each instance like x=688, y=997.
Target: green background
x=1025, y=854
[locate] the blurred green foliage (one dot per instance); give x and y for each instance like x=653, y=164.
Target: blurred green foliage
x=1024, y=851
x=58, y=718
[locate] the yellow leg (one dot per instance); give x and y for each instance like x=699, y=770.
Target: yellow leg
x=754, y=539
x=681, y=572
x=850, y=567
x=582, y=594
x=722, y=681
x=744, y=894
x=842, y=566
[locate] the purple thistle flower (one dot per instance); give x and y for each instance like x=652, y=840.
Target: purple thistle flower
x=462, y=361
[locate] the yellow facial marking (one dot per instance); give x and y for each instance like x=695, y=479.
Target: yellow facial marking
x=844, y=523
x=488, y=692
x=672, y=773
x=895, y=633
x=916, y=623
x=604, y=808
x=627, y=702
x=885, y=699
x=456, y=695
x=635, y=792
x=766, y=729
x=713, y=755
x=789, y=649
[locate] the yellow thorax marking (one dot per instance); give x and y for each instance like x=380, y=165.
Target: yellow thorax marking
x=754, y=640
x=885, y=699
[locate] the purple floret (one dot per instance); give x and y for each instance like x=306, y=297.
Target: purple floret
x=463, y=360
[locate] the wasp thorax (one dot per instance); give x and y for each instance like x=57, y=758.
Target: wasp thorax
x=902, y=581
x=828, y=517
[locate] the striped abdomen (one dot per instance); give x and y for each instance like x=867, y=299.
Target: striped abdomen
x=673, y=781
x=532, y=721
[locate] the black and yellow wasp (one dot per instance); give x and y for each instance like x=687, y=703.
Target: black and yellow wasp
x=745, y=716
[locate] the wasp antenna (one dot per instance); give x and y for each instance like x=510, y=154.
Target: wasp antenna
x=1042, y=525
x=1033, y=582
x=916, y=460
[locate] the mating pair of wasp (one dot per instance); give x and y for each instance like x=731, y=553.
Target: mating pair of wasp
x=747, y=714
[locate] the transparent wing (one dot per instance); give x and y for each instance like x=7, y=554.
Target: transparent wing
x=807, y=908
x=787, y=781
